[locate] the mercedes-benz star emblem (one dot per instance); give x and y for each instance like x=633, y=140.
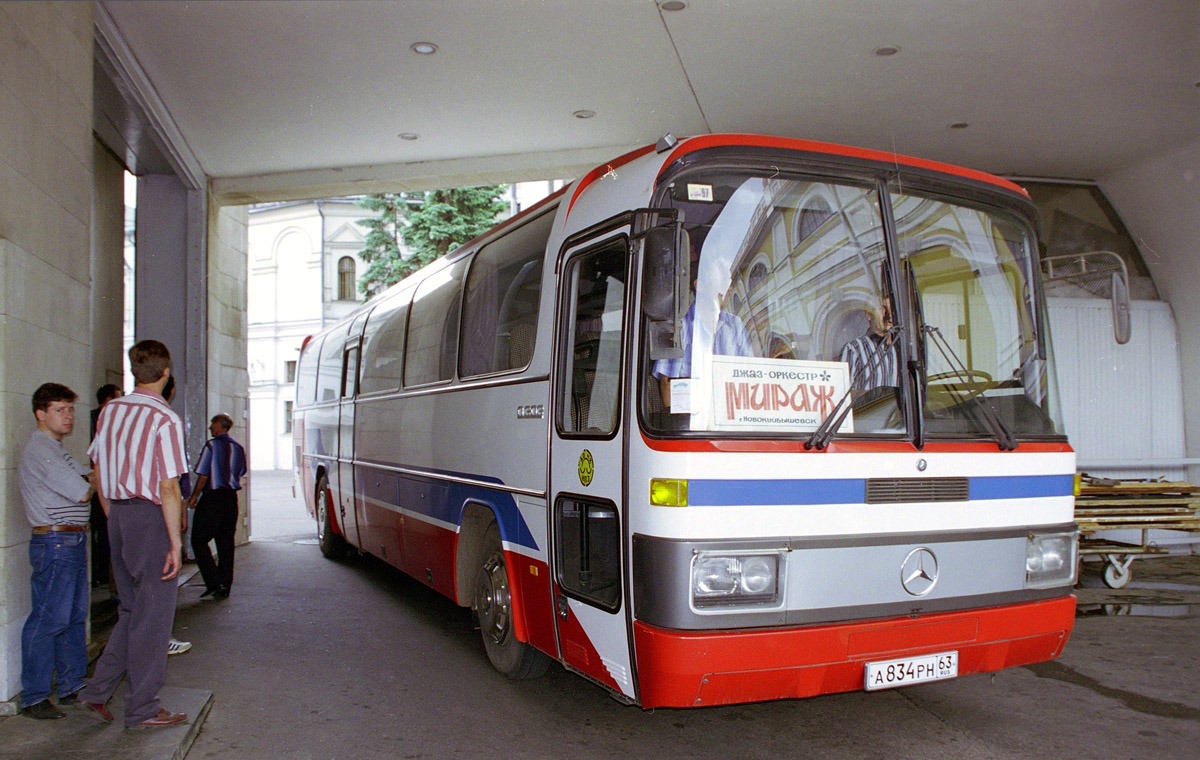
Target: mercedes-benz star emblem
x=919, y=573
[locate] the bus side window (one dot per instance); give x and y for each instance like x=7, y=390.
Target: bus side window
x=306, y=375
x=433, y=327
x=502, y=299
x=383, y=346
x=329, y=370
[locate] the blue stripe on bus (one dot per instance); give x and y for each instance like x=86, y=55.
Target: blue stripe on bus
x=1022, y=486
x=443, y=500
x=727, y=493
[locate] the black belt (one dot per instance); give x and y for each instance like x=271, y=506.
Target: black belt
x=42, y=529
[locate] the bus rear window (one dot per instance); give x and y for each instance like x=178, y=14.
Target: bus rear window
x=306, y=374
x=329, y=371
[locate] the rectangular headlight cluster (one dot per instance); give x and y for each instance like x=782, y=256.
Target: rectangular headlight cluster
x=1050, y=559
x=733, y=578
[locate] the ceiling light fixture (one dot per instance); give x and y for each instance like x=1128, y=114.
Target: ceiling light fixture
x=423, y=48
x=885, y=51
x=408, y=135
x=584, y=114
x=673, y=5
x=959, y=125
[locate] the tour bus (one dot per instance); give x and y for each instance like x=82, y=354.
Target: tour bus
x=730, y=418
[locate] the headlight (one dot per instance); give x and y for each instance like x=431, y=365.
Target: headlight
x=1050, y=559
x=734, y=579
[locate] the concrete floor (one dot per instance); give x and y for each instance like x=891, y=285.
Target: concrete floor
x=316, y=659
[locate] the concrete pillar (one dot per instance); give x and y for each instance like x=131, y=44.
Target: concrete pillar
x=46, y=160
x=170, y=304
x=229, y=386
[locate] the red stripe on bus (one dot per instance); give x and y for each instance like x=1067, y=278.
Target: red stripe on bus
x=702, y=142
x=602, y=170
x=746, y=446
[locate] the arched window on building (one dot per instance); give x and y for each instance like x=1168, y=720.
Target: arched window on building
x=346, y=279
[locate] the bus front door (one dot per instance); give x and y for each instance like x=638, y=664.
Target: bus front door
x=587, y=522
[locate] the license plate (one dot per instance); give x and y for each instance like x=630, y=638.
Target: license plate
x=910, y=670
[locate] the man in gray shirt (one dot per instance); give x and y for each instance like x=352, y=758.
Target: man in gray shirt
x=56, y=489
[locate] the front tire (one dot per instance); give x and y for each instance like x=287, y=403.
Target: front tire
x=493, y=607
x=332, y=545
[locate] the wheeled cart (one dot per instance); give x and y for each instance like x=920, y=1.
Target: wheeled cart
x=1103, y=505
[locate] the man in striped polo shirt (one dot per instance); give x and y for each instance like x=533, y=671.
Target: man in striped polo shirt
x=138, y=455
x=873, y=358
x=56, y=490
x=220, y=469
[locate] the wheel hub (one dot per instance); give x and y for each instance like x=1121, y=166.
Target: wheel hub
x=494, y=603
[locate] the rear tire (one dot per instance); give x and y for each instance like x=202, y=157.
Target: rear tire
x=332, y=545
x=493, y=607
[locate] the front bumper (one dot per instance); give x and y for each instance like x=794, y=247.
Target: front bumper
x=688, y=669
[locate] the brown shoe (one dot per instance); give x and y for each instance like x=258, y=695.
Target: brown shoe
x=163, y=718
x=96, y=710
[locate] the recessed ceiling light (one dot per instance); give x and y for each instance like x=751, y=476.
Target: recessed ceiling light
x=584, y=114
x=885, y=51
x=423, y=48
x=959, y=125
x=408, y=135
x=673, y=5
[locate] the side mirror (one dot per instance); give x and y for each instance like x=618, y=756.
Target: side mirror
x=1120, y=309
x=1087, y=271
x=666, y=274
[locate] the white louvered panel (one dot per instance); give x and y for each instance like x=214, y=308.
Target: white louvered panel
x=1120, y=402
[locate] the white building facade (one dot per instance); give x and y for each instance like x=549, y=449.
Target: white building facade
x=303, y=273
x=304, y=269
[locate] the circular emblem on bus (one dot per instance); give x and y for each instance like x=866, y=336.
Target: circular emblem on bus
x=919, y=573
x=587, y=467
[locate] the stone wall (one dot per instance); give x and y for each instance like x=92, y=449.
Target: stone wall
x=46, y=192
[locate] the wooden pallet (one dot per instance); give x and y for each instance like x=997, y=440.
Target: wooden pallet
x=1104, y=505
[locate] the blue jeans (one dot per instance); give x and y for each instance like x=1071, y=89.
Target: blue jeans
x=53, y=639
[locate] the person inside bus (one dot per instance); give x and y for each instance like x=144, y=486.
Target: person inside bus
x=873, y=358
x=730, y=338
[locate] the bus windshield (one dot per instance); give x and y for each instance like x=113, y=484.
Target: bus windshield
x=794, y=316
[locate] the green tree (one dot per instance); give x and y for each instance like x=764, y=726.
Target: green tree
x=381, y=250
x=431, y=224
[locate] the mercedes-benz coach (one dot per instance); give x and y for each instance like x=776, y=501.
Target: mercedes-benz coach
x=730, y=418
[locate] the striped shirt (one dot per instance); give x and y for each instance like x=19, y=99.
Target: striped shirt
x=138, y=444
x=872, y=364
x=52, y=484
x=223, y=462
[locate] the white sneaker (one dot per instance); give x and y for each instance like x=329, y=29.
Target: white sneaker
x=175, y=646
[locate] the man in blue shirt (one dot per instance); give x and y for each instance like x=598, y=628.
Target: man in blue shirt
x=220, y=469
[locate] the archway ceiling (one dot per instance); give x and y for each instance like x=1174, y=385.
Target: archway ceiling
x=288, y=100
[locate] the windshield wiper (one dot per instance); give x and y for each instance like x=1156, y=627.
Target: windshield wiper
x=1008, y=442
x=829, y=426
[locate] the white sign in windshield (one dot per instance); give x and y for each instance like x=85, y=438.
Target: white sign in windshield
x=776, y=394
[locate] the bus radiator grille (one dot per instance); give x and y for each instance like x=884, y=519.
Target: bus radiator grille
x=904, y=490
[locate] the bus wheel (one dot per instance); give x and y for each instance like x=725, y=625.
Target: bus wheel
x=332, y=545
x=493, y=607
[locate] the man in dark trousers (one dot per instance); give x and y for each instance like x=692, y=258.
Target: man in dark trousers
x=220, y=469
x=138, y=457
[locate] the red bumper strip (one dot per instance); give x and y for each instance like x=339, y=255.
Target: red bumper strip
x=693, y=669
